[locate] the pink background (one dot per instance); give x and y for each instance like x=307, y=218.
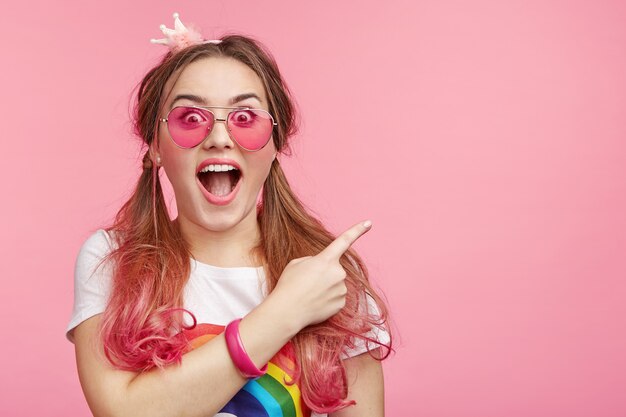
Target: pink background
x=485, y=139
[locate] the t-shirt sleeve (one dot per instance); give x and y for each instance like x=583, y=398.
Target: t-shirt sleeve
x=376, y=333
x=91, y=280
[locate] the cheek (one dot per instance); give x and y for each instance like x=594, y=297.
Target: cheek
x=176, y=164
x=259, y=166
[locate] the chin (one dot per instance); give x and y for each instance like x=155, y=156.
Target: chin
x=216, y=222
x=223, y=218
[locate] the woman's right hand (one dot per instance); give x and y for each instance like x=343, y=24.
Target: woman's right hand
x=312, y=288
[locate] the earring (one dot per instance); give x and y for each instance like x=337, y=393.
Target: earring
x=158, y=160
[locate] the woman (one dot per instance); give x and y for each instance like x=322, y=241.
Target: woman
x=241, y=305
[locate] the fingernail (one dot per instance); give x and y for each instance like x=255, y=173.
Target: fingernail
x=367, y=224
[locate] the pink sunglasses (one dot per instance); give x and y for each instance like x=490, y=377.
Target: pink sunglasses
x=188, y=126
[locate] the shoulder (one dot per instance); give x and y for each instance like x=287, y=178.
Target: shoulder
x=99, y=242
x=99, y=239
x=376, y=335
x=92, y=251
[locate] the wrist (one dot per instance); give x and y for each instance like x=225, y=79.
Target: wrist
x=238, y=353
x=287, y=318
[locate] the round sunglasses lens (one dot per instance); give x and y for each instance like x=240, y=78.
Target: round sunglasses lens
x=188, y=126
x=251, y=128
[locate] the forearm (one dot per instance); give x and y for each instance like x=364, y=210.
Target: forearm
x=207, y=378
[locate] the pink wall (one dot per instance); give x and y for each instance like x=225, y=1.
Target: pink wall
x=485, y=139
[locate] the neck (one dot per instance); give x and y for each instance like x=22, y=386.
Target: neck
x=223, y=248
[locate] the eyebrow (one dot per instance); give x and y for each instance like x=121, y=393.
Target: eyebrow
x=202, y=101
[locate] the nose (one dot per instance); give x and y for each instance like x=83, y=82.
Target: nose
x=218, y=136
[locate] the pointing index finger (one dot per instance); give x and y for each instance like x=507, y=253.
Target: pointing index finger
x=343, y=242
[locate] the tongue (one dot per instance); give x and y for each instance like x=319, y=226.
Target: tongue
x=219, y=183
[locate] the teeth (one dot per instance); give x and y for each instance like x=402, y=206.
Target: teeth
x=218, y=168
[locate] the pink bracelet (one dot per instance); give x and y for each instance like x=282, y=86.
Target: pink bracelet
x=237, y=352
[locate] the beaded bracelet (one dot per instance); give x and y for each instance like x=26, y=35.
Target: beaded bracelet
x=239, y=355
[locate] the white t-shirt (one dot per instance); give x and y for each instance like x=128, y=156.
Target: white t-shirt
x=216, y=296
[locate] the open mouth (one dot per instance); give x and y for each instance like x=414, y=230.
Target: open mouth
x=220, y=183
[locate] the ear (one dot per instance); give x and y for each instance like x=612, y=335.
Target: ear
x=154, y=153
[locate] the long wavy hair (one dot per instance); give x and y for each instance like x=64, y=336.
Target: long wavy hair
x=151, y=261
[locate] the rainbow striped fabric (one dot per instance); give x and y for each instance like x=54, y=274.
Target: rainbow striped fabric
x=267, y=396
